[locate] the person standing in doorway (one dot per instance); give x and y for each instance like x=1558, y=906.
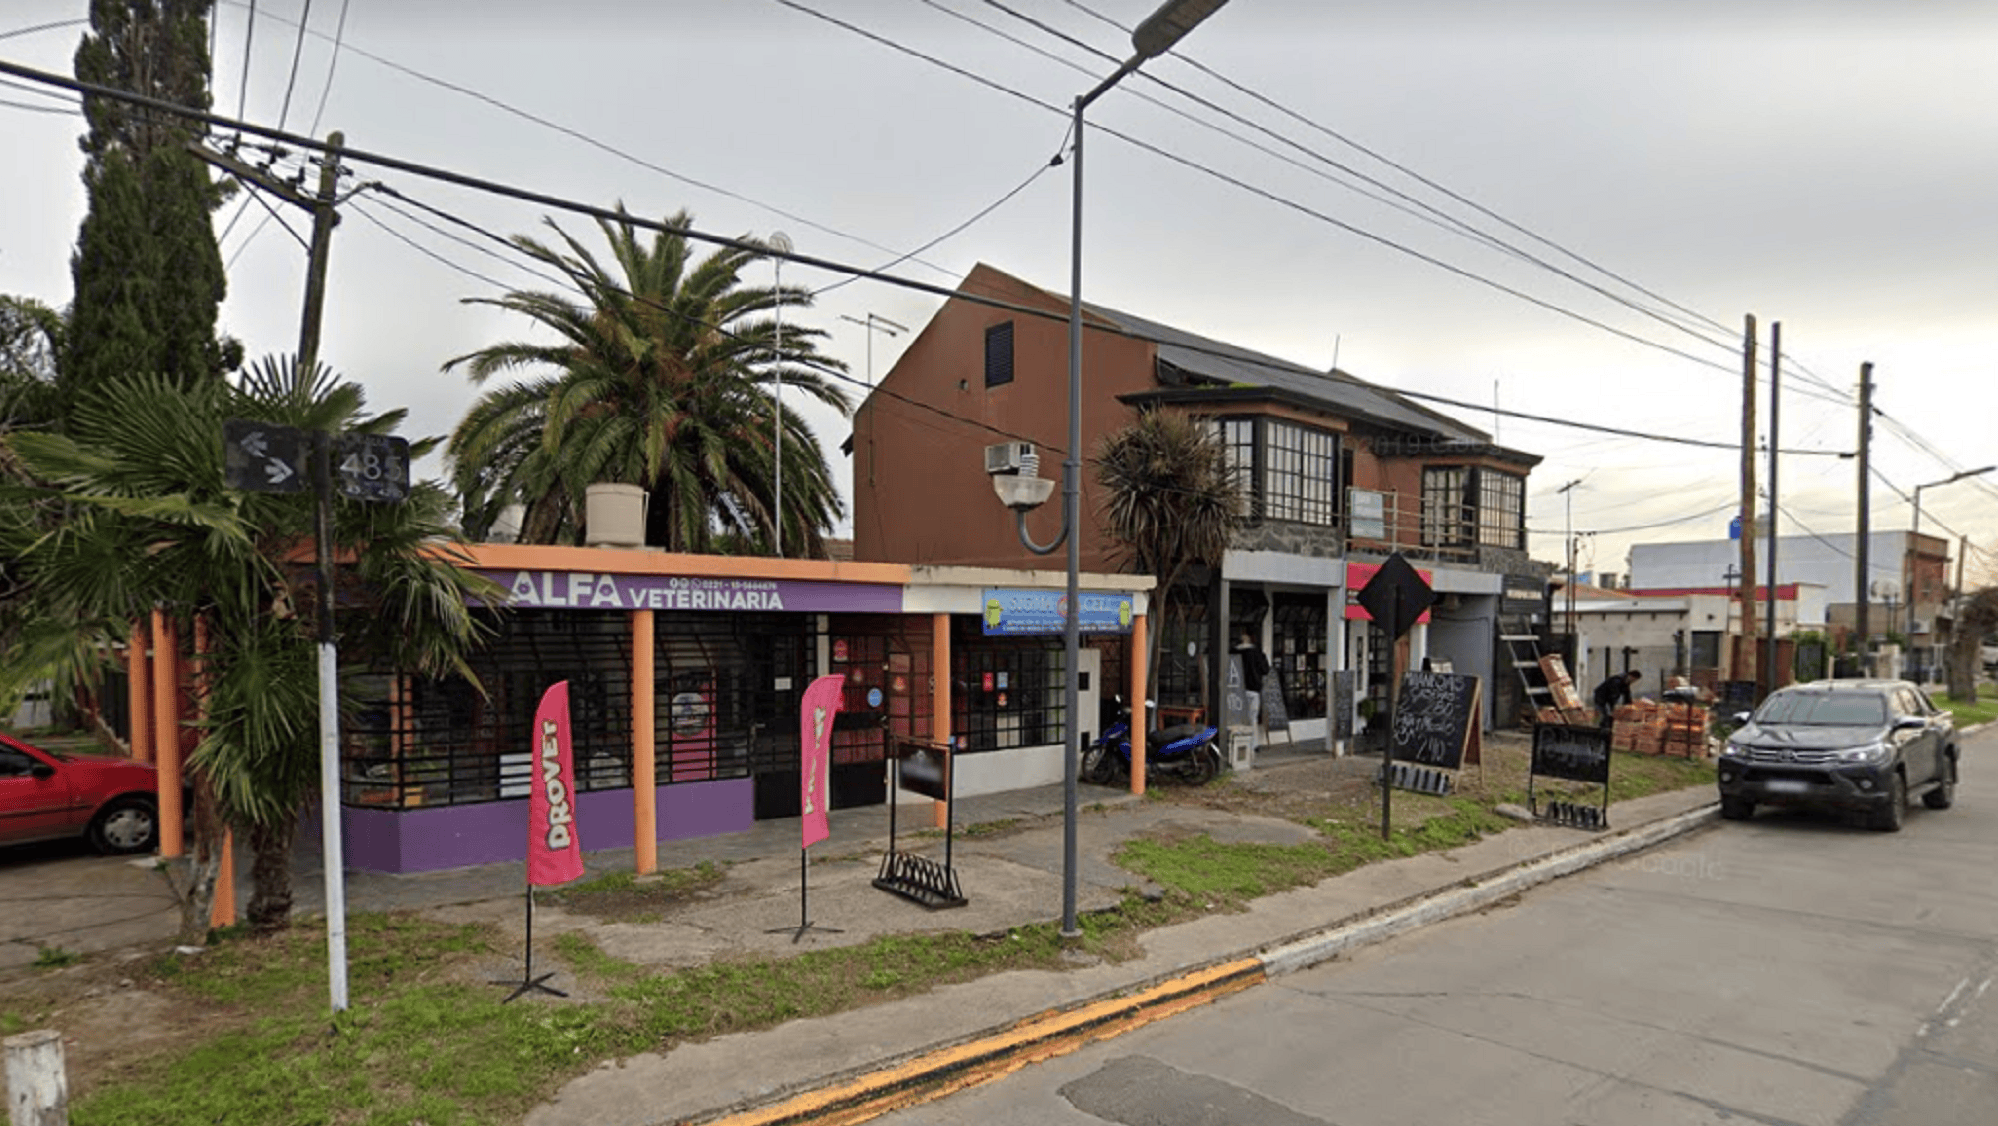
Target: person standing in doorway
x=1614, y=691
x=1255, y=668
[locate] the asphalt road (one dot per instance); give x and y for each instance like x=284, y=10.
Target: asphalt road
x=1791, y=970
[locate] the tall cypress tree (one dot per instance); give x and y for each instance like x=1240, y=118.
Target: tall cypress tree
x=147, y=271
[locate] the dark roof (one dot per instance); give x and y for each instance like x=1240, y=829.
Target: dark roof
x=1212, y=361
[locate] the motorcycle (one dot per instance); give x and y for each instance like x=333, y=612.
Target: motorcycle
x=1185, y=751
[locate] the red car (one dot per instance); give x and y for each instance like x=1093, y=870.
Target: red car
x=45, y=795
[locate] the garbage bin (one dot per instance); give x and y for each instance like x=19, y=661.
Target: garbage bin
x=1241, y=747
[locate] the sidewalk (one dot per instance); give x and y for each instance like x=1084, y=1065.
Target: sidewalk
x=1013, y=877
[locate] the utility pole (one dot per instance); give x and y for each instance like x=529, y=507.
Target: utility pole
x=1770, y=676
x=1746, y=650
x=334, y=860
x=1861, y=575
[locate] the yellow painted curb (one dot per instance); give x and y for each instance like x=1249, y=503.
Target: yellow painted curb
x=947, y=1070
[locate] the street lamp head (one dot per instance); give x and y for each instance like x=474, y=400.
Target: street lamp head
x=1022, y=494
x=1169, y=25
x=779, y=242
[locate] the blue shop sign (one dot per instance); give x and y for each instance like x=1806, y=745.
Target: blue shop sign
x=1015, y=613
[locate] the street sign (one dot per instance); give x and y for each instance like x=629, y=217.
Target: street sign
x=263, y=457
x=371, y=467
x=1396, y=595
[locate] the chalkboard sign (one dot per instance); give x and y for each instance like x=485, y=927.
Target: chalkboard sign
x=1579, y=754
x=1345, y=682
x=1433, y=718
x=1275, y=714
x=924, y=768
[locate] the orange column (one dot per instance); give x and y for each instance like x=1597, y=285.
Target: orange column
x=940, y=701
x=166, y=732
x=1140, y=652
x=223, y=912
x=138, y=695
x=644, y=742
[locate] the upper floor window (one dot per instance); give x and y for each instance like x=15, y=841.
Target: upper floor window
x=1291, y=470
x=1464, y=505
x=1446, y=512
x=1501, y=509
x=999, y=354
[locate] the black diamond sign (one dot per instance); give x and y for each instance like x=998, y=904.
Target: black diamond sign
x=263, y=457
x=1396, y=596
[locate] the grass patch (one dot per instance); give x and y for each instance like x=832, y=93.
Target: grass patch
x=628, y=898
x=1984, y=710
x=55, y=957
x=990, y=828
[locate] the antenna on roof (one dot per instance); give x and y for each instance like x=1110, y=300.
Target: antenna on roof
x=1335, y=351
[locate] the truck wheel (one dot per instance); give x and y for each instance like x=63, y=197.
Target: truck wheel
x=1944, y=794
x=1737, y=809
x=1889, y=817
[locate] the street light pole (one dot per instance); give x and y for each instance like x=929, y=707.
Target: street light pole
x=781, y=243
x=1917, y=534
x=1154, y=37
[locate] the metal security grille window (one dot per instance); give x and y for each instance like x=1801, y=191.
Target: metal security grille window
x=726, y=693
x=420, y=742
x=1297, y=652
x=1292, y=470
x=1501, y=509
x=884, y=661
x=1448, y=519
x=1009, y=692
x=999, y=354
x=1181, y=677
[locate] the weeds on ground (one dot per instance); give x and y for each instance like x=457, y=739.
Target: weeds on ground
x=55, y=957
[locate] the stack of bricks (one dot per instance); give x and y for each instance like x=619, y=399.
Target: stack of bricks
x=1651, y=728
x=1568, y=707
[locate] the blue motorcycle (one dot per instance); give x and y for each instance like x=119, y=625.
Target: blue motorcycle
x=1186, y=751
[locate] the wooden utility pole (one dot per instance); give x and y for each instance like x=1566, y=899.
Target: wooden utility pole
x=1771, y=679
x=1745, y=651
x=1861, y=576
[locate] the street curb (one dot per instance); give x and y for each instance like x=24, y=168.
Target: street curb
x=936, y=1072
x=1482, y=891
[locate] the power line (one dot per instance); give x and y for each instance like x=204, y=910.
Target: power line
x=1429, y=213
x=32, y=108
x=297, y=50
x=50, y=26
x=1266, y=194
x=325, y=91
x=559, y=203
x=606, y=147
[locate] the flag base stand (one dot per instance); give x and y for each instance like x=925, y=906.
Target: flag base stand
x=805, y=922
x=529, y=983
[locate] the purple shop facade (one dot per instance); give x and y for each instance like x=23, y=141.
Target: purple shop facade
x=430, y=839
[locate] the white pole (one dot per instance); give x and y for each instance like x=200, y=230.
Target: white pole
x=781, y=243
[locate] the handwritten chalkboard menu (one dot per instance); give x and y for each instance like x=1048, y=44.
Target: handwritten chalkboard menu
x=1345, y=682
x=1275, y=714
x=1434, y=718
x=1579, y=754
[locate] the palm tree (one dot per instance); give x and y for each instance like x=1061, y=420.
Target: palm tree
x=1173, y=501
x=127, y=511
x=663, y=375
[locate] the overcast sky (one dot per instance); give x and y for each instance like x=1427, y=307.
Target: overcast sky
x=1829, y=164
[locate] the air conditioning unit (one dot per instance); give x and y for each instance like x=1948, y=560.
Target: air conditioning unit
x=1917, y=627
x=1013, y=457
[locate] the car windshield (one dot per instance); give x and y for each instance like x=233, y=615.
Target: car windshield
x=1823, y=709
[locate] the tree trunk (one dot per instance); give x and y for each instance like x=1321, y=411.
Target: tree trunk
x=192, y=877
x=270, y=874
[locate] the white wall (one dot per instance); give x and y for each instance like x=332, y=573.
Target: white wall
x=1826, y=561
